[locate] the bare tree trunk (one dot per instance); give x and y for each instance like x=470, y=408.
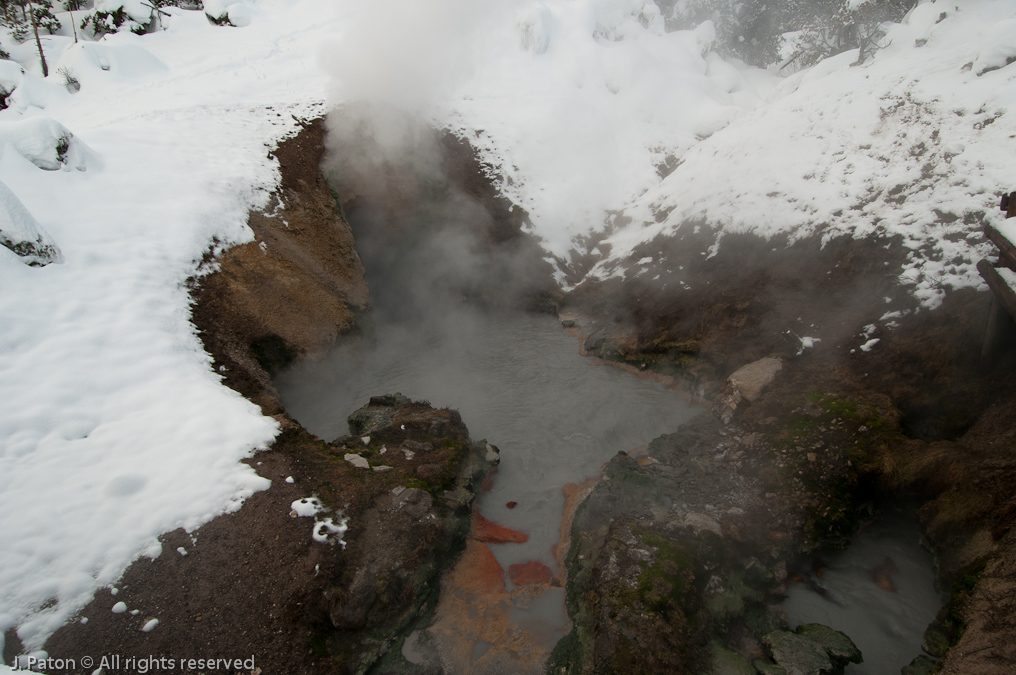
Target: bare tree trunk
x=38, y=42
x=73, y=26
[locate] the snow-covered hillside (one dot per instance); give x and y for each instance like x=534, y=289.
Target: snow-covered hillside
x=113, y=429
x=918, y=142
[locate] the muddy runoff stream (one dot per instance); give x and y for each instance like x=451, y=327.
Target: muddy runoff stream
x=518, y=381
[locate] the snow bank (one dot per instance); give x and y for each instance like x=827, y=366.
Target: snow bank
x=99, y=63
x=21, y=233
x=235, y=13
x=914, y=144
x=46, y=143
x=138, y=10
x=114, y=428
x=27, y=89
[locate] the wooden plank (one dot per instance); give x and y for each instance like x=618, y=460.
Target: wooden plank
x=992, y=336
x=1007, y=250
x=997, y=284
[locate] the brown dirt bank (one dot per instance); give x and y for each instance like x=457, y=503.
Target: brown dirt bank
x=255, y=582
x=937, y=420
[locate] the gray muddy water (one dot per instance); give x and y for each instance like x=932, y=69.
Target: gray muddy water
x=519, y=381
x=880, y=592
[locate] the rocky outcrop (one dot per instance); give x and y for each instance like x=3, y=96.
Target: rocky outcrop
x=411, y=530
x=930, y=422
x=679, y=555
x=293, y=290
x=812, y=649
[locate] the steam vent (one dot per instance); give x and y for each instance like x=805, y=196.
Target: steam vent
x=528, y=337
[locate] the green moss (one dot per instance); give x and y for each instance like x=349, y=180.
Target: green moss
x=831, y=404
x=667, y=583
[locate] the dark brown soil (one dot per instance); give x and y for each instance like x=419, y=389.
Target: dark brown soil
x=248, y=586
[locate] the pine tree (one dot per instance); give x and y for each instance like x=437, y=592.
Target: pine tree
x=750, y=30
x=35, y=30
x=72, y=6
x=831, y=27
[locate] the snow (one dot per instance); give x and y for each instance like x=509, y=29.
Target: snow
x=22, y=234
x=120, y=608
x=115, y=430
x=906, y=145
x=308, y=506
x=913, y=144
x=326, y=531
x=1008, y=276
x=137, y=10
x=149, y=625
x=46, y=143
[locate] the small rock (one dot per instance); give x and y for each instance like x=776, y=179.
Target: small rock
x=797, y=654
x=512, y=505
x=766, y=668
x=700, y=522
x=841, y=649
x=727, y=662
x=813, y=649
x=416, y=446
x=492, y=455
x=922, y=665
x=356, y=460
x=382, y=468
x=595, y=340
x=365, y=440
x=751, y=379
x=568, y=323
x=812, y=456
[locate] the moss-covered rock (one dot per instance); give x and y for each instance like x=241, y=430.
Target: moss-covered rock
x=726, y=662
x=812, y=649
x=922, y=665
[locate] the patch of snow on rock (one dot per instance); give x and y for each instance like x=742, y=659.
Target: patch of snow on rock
x=21, y=232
